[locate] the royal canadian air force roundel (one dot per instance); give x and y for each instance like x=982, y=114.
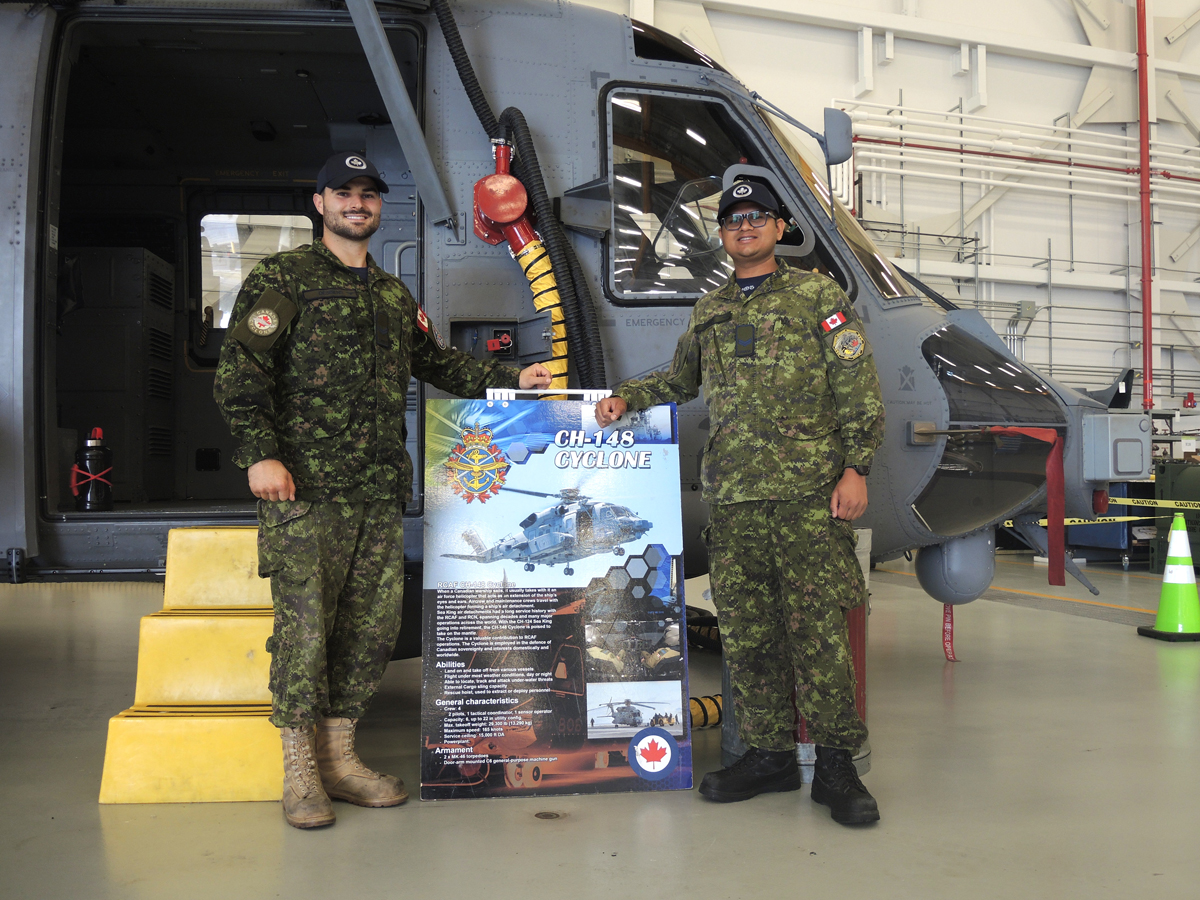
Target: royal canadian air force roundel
x=653, y=754
x=742, y=190
x=355, y=162
x=263, y=321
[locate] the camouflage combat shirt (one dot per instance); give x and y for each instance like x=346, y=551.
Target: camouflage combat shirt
x=789, y=409
x=315, y=368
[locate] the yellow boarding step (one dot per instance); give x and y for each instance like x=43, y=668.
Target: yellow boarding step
x=201, y=756
x=214, y=567
x=216, y=658
x=199, y=730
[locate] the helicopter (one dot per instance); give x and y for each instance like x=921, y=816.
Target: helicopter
x=575, y=528
x=158, y=151
x=627, y=714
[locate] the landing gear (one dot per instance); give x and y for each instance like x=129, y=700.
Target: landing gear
x=568, y=571
x=618, y=551
x=528, y=567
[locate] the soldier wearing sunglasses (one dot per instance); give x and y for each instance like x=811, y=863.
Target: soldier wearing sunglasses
x=796, y=416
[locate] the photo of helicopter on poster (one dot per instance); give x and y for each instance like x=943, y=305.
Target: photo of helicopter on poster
x=622, y=710
x=531, y=493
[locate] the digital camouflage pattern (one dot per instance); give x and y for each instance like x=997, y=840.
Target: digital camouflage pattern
x=787, y=419
x=337, y=583
x=314, y=372
x=783, y=576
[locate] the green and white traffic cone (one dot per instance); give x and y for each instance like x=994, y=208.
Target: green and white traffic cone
x=1179, y=606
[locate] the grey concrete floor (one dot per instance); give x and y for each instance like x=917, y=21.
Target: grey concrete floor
x=1058, y=758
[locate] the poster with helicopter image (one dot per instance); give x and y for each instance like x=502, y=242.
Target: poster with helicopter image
x=554, y=656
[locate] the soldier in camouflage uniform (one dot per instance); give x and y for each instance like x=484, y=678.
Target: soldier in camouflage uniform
x=796, y=415
x=313, y=381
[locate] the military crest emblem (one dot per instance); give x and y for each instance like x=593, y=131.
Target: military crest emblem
x=476, y=467
x=848, y=345
x=263, y=321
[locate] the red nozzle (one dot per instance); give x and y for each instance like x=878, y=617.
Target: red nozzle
x=97, y=434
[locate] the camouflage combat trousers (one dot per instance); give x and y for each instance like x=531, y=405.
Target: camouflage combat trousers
x=783, y=576
x=337, y=582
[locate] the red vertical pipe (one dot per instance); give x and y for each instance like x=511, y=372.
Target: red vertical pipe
x=1143, y=63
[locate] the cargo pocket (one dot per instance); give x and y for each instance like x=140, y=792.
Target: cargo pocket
x=287, y=542
x=852, y=589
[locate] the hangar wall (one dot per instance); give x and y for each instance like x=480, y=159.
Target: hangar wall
x=1052, y=259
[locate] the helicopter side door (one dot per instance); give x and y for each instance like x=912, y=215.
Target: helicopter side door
x=25, y=45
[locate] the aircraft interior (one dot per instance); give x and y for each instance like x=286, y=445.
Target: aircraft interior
x=182, y=152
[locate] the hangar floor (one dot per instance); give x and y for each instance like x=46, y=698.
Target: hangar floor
x=1058, y=758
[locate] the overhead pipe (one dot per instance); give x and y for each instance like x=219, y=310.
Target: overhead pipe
x=1143, y=58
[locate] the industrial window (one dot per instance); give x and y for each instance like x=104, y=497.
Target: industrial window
x=231, y=244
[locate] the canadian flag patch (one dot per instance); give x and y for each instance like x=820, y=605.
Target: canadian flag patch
x=422, y=320
x=834, y=321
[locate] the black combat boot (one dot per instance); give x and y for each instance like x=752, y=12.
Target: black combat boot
x=836, y=785
x=758, y=772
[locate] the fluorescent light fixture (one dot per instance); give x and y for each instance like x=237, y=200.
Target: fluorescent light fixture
x=697, y=138
x=622, y=178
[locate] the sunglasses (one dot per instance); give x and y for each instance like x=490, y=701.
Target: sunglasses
x=757, y=219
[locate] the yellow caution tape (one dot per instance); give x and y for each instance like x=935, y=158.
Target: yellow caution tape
x=1103, y=520
x=1164, y=504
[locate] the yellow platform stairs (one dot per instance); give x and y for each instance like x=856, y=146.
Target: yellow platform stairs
x=198, y=730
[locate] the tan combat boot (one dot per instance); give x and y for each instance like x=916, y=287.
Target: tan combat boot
x=343, y=773
x=305, y=804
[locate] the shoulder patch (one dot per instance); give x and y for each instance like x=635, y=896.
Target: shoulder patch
x=837, y=320
x=848, y=344
x=269, y=317
x=427, y=326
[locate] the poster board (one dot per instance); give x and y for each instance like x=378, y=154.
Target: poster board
x=555, y=659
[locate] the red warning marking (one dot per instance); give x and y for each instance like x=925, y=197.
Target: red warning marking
x=948, y=632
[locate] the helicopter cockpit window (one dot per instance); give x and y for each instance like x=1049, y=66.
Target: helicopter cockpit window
x=889, y=282
x=667, y=157
x=233, y=244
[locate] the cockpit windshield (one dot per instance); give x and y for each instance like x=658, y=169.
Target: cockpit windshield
x=890, y=282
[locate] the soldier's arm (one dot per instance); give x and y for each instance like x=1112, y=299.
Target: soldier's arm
x=245, y=383
x=452, y=370
x=679, y=384
x=852, y=377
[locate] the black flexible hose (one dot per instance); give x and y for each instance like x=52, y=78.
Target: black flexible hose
x=578, y=311
x=466, y=72
x=514, y=127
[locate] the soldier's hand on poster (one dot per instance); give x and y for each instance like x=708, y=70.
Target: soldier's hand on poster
x=609, y=410
x=849, y=497
x=270, y=480
x=535, y=376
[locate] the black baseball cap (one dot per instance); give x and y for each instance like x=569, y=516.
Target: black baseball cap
x=342, y=168
x=748, y=192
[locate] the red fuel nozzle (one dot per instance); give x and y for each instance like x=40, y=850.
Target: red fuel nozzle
x=97, y=434
x=502, y=205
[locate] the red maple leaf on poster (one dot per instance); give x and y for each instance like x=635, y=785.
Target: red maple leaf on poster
x=653, y=752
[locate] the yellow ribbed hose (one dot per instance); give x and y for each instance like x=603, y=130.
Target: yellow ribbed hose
x=706, y=711
x=535, y=263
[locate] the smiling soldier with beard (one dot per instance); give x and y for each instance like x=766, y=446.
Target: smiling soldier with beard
x=313, y=381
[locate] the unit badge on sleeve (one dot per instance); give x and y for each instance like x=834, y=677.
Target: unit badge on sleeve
x=849, y=345
x=263, y=321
